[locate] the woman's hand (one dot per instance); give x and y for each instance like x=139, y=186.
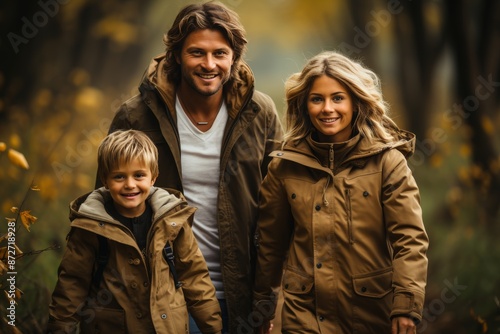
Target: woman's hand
x=403, y=325
x=266, y=328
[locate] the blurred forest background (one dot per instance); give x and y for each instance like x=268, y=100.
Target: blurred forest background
x=67, y=65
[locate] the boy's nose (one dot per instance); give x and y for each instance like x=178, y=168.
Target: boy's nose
x=130, y=183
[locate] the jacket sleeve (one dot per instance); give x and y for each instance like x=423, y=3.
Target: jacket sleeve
x=192, y=270
x=73, y=284
x=407, y=235
x=274, y=230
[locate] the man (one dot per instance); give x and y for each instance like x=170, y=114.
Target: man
x=214, y=133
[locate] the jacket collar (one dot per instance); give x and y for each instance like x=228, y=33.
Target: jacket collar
x=91, y=205
x=356, y=151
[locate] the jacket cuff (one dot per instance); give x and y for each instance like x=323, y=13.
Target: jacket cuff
x=264, y=307
x=408, y=304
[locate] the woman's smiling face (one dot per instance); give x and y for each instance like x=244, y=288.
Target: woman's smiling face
x=330, y=108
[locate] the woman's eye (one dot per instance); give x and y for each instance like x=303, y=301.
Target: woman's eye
x=316, y=99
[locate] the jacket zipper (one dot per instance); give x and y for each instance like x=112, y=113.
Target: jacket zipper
x=330, y=157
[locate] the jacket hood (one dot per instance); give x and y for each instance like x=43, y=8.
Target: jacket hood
x=237, y=91
x=91, y=205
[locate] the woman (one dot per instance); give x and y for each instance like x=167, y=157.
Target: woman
x=340, y=226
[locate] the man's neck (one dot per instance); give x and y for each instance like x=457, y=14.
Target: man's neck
x=200, y=105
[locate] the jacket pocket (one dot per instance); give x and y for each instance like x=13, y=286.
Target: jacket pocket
x=374, y=285
x=298, y=311
x=105, y=321
x=296, y=282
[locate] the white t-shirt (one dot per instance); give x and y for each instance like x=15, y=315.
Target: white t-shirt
x=200, y=161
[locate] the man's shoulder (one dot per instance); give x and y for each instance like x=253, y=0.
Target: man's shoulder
x=264, y=101
x=134, y=102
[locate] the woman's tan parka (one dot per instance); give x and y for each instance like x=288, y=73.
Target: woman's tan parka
x=348, y=221
x=136, y=293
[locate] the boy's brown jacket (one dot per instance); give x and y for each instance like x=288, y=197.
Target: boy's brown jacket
x=347, y=219
x=136, y=293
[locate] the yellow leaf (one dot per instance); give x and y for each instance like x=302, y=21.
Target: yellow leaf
x=27, y=219
x=3, y=268
x=436, y=160
x=8, y=296
x=19, y=293
x=35, y=188
x=18, y=159
x=14, y=209
x=3, y=146
x=15, y=140
x=487, y=124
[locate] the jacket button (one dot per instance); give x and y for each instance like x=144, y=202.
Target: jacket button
x=321, y=318
x=137, y=261
x=363, y=289
x=303, y=287
x=317, y=207
x=365, y=193
x=146, y=284
x=164, y=316
x=279, y=154
x=138, y=315
x=286, y=286
x=294, y=196
x=319, y=265
x=133, y=285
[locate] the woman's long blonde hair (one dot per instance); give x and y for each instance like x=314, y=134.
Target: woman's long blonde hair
x=371, y=110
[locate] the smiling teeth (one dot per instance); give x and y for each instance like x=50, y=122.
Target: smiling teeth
x=208, y=76
x=329, y=120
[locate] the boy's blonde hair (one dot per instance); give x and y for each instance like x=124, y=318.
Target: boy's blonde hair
x=124, y=146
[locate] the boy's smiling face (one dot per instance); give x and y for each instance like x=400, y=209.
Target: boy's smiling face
x=129, y=185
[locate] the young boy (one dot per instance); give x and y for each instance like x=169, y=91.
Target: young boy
x=132, y=264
